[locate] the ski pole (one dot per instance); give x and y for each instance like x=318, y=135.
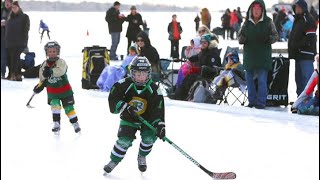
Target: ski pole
x=215, y=175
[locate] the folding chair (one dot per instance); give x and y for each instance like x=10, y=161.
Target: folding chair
x=167, y=77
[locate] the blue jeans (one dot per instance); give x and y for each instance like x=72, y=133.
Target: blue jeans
x=257, y=97
x=3, y=57
x=304, y=70
x=115, y=39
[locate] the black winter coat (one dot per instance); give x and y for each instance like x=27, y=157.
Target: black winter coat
x=134, y=25
x=17, y=29
x=302, y=40
x=114, y=22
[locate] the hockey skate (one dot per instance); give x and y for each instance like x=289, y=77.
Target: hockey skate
x=56, y=127
x=110, y=166
x=142, y=163
x=76, y=127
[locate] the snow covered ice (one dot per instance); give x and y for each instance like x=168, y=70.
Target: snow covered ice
x=256, y=144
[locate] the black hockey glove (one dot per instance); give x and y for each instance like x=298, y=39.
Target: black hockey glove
x=132, y=111
x=161, y=131
x=47, y=72
x=37, y=89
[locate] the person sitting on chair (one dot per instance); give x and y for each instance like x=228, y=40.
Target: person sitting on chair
x=232, y=75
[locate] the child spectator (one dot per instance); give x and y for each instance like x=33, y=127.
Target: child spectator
x=193, y=49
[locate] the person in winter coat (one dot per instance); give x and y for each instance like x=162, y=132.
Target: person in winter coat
x=136, y=97
x=115, y=21
x=302, y=45
x=53, y=76
x=16, y=37
x=226, y=25
x=5, y=11
x=306, y=104
x=144, y=48
x=174, y=30
x=135, y=20
x=44, y=28
x=205, y=17
x=196, y=21
x=257, y=34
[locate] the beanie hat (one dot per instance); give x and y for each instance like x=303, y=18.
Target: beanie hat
x=16, y=3
x=116, y=3
x=133, y=8
x=302, y=3
x=133, y=48
x=206, y=37
x=233, y=56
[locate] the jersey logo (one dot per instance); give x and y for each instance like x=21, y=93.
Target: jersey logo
x=139, y=103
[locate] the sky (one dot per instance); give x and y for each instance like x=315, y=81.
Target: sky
x=210, y=4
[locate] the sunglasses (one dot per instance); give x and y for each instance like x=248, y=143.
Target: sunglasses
x=139, y=40
x=202, y=31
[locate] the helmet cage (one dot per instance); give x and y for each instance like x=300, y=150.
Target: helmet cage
x=52, y=44
x=140, y=64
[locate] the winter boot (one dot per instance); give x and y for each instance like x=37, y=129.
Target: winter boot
x=142, y=163
x=76, y=127
x=110, y=166
x=56, y=126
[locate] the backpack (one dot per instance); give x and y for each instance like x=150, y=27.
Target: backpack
x=200, y=92
x=28, y=60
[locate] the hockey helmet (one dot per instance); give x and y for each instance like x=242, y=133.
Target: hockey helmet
x=140, y=66
x=52, y=44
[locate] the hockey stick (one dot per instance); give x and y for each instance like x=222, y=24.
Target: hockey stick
x=28, y=104
x=215, y=175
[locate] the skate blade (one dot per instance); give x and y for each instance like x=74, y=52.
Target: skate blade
x=57, y=133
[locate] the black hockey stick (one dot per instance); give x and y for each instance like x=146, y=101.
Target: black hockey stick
x=215, y=175
x=28, y=104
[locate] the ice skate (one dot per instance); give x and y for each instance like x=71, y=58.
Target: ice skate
x=76, y=127
x=110, y=166
x=56, y=127
x=142, y=163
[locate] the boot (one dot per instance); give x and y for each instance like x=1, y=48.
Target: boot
x=110, y=166
x=18, y=77
x=76, y=127
x=142, y=163
x=56, y=126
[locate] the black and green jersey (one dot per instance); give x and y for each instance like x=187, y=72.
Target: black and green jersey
x=147, y=99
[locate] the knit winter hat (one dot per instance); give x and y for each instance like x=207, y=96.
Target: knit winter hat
x=133, y=48
x=16, y=3
x=206, y=37
x=302, y=3
x=233, y=56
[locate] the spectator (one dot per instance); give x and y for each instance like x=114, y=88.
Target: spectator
x=234, y=23
x=205, y=17
x=275, y=14
x=144, y=48
x=306, y=104
x=193, y=49
x=280, y=20
x=302, y=44
x=174, y=30
x=233, y=74
x=44, y=28
x=135, y=20
x=145, y=27
x=115, y=20
x=225, y=19
x=257, y=34
x=240, y=17
x=5, y=11
x=16, y=36
x=197, y=20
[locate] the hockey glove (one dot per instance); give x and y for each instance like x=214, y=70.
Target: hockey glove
x=47, y=72
x=161, y=131
x=131, y=110
x=37, y=89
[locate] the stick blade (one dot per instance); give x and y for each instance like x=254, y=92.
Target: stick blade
x=224, y=175
x=29, y=106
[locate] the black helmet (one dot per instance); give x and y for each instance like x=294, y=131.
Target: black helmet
x=140, y=64
x=52, y=44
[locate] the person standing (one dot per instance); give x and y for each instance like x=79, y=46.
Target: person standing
x=257, y=34
x=302, y=44
x=16, y=37
x=115, y=20
x=240, y=17
x=44, y=28
x=53, y=76
x=174, y=30
x=5, y=11
x=205, y=17
x=132, y=97
x=197, y=20
x=135, y=20
x=225, y=19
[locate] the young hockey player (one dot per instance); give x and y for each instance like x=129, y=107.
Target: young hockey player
x=53, y=75
x=135, y=96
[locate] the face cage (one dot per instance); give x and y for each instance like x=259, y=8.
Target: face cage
x=132, y=73
x=54, y=58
